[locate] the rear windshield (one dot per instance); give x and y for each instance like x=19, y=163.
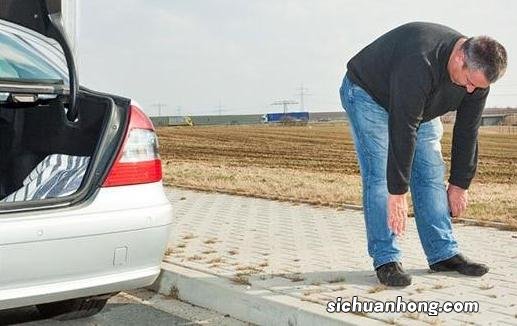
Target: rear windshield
x=23, y=59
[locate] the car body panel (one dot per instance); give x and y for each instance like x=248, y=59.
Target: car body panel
x=112, y=242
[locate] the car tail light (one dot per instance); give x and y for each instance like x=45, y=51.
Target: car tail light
x=138, y=160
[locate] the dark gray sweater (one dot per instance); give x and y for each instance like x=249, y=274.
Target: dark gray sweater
x=405, y=71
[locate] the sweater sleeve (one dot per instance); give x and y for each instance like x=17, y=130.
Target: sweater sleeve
x=410, y=86
x=464, y=151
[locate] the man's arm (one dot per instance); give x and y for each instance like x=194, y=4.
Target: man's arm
x=410, y=85
x=464, y=140
x=409, y=89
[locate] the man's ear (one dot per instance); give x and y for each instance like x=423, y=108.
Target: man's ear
x=460, y=58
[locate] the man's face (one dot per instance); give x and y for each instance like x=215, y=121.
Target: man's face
x=471, y=79
x=461, y=75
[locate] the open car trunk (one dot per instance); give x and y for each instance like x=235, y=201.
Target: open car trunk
x=57, y=142
x=76, y=154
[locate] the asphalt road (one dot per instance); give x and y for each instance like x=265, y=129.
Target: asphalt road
x=139, y=308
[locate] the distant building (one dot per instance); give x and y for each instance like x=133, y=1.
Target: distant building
x=491, y=117
x=327, y=116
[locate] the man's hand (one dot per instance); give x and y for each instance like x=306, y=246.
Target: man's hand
x=458, y=200
x=397, y=213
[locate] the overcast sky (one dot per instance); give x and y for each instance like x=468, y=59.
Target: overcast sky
x=196, y=55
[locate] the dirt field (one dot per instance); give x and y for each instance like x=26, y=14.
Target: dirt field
x=317, y=164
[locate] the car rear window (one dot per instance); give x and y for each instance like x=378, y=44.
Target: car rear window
x=21, y=61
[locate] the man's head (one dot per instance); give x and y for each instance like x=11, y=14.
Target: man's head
x=477, y=62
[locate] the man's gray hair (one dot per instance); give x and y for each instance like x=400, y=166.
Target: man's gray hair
x=486, y=55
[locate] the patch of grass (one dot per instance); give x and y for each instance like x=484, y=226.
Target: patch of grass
x=188, y=236
x=242, y=279
x=249, y=269
x=308, y=299
x=210, y=241
x=439, y=286
x=337, y=280
x=360, y=313
x=169, y=251
x=232, y=252
x=377, y=288
x=194, y=258
x=297, y=277
x=174, y=293
x=263, y=264
x=420, y=289
x=313, y=291
x=216, y=260
x=412, y=315
x=208, y=252
x=181, y=245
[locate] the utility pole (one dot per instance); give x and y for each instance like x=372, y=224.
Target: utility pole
x=302, y=92
x=284, y=103
x=220, y=108
x=159, y=106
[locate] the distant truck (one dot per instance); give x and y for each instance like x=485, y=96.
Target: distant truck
x=286, y=118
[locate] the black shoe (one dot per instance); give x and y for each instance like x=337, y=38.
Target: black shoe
x=461, y=265
x=392, y=274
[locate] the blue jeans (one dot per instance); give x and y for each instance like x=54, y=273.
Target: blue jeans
x=369, y=127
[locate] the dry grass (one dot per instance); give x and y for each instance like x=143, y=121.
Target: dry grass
x=439, y=286
x=210, y=241
x=316, y=164
x=194, y=258
x=241, y=279
x=250, y=270
x=263, y=264
x=339, y=279
x=216, y=260
x=188, y=236
x=377, y=288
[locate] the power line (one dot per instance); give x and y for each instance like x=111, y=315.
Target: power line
x=284, y=103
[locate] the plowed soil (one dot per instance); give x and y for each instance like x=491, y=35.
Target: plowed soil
x=316, y=149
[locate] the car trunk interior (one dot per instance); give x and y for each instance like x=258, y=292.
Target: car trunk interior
x=28, y=135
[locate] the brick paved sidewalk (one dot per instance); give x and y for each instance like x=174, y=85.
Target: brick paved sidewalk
x=314, y=255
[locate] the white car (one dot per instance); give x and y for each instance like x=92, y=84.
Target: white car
x=67, y=246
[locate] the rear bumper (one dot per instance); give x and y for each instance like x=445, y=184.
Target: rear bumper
x=114, y=242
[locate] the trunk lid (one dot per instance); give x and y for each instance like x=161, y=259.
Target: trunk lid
x=44, y=17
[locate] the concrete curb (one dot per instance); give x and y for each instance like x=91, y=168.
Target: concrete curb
x=250, y=304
